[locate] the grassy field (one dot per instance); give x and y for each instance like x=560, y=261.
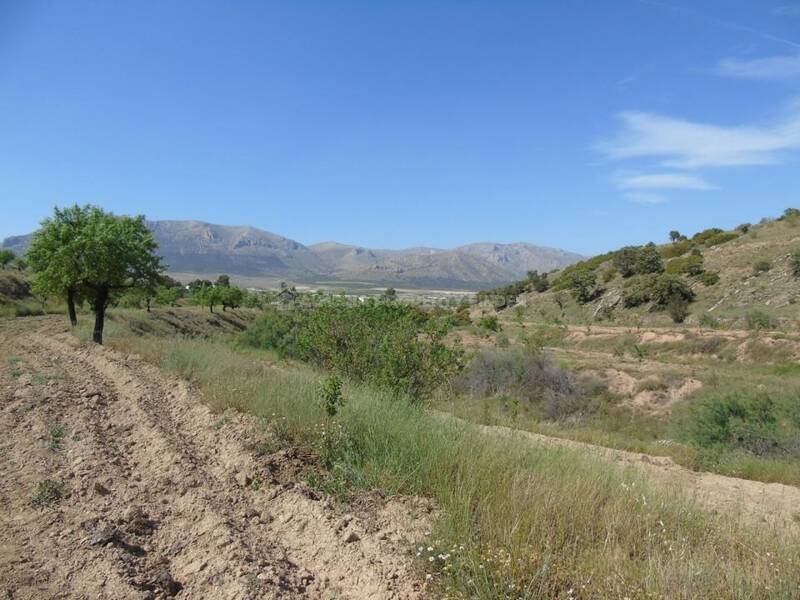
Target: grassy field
x=517, y=521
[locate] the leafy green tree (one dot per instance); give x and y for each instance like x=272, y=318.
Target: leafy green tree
x=168, y=295
x=230, y=297
x=198, y=283
x=583, y=285
x=649, y=260
x=207, y=295
x=538, y=282
x=223, y=281
x=675, y=236
x=87, y=251
x=55, y=256
x=667, y=288
x=6, y=256
x=117, y=253
x=625, y=260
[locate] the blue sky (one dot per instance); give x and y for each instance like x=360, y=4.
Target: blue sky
x=582, y=125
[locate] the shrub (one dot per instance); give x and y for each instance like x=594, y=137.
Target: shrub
x=528, y=376
x=720, y=238
x=649, y=260
x=678, y=309
x=638, y=291
x=761, y=266
x=758, y=319
x=625, y=260
x=582, y=283
x=489, y=322
x=609, y=274
x=274, y=330
x=794, y=262
x=710, y=278
x=709, y=321
x=667, y=288
x=330, y=395
x=388, y=344
x=702, y=236
x=690, y=265
x=676, y=249
x=744, y=227
x=754, y=422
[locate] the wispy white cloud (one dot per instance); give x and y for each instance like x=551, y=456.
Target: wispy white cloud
x=646, y=198
x=787, y=10
x=772, y=67
x=663, y=181
x=683, y=144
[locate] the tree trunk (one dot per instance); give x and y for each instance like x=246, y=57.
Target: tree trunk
x=147, y=301
x=211, y=307
x=99, y=307
x=73, y=317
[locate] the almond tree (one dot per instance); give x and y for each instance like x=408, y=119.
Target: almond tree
x=55, y=256
x=93, y=254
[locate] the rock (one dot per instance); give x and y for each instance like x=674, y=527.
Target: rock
x=104, y=536
x=164, y=580
x=351, y=537
x=243, y=479
x=196, y=566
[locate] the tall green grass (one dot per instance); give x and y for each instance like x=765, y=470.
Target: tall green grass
x=517, y=521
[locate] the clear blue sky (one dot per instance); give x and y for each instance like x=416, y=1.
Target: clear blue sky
x=583, y=125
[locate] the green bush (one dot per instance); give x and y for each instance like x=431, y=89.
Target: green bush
x=625, y=260
x=582, y=283
x=274, y=330
x=388, y=344
x=720, y=238
x=758, y=319
x=649, y=260
x=638, y=290
x=710, y=278
x=754, y=422
x=709, y=321
x=668, y=288
x=489, y=322
x=678, y=309
x=676, y=249
x=661, y=290
x=704, y=235
x=690, y=265
x=794, y=262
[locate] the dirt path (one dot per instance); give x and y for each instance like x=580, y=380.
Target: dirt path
x=755, y=502
x=159, y=497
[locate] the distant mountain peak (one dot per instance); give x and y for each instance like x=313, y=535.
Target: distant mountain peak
x=198, y=247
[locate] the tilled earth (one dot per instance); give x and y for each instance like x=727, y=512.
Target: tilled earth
x=115, y=482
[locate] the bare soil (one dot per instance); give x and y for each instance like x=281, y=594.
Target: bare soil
x=116, y=482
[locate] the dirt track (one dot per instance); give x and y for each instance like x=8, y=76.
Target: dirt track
x=160, y=497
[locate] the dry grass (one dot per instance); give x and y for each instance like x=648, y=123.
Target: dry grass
x=518, y=522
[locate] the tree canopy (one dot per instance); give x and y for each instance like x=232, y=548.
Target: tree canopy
x=86, y=252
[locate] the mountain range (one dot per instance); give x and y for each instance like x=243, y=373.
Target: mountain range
x=206, y=249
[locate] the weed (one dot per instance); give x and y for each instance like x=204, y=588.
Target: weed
x=330, y=395
x=55, y=441
x=48, y=492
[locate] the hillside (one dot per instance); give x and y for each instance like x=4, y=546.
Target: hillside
x=729, y=275
x=205, y=248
